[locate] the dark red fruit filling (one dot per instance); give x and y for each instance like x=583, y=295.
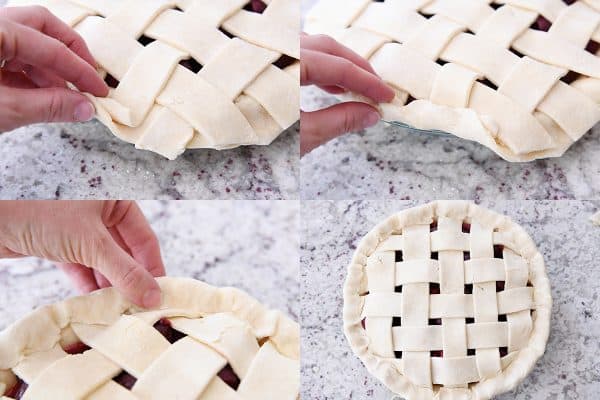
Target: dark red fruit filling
x=76, y=348
x=125, y=379
x=164, y=327
x=256, y=6
x=17, y=391
x=229, y=377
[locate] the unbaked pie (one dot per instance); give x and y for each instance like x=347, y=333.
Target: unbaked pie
x=204, y=343
x=521, y=77
x=447, y=301
x=191, y=73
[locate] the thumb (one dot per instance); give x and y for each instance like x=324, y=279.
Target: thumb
x=129, y=277
x=29, y=106
x=321, y=126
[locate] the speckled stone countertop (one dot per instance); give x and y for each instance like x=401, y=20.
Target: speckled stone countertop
x=392, y=162
x=83, y=161
x=565, y=236
x=251, y=245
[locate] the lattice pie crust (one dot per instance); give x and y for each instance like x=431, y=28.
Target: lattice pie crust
x=476, y=68
x=447, y=301
x=240, y=96
x=220, y=326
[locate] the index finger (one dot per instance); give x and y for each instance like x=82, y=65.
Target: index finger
x=328, y=70
x=141, y=240
x=326, y=44
x=34, y=48
x=40, y=19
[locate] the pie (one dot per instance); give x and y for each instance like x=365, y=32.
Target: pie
x=204, y=343
x=191, y=73
x=596, y=219
x=447, y=301
x=521, y=77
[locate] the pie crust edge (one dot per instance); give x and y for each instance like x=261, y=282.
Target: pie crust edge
x=385, y=371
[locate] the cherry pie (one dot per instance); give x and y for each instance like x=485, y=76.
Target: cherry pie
x=447, y=301
x=204, y=343
x=521, y=77
x=191, y=73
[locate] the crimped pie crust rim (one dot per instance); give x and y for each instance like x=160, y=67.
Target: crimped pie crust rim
x=381, y=368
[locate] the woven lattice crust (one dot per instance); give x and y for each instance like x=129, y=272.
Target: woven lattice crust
x=246, y=92
x=476, y=68
x=447, y=301
x=218, y=326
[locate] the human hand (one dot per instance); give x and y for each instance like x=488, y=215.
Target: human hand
x=337, y=69
x=40, y=54
x=97, y=243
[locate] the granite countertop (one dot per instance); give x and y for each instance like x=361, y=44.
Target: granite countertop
x=86, y=161
x=566, y=238
x=251, y=245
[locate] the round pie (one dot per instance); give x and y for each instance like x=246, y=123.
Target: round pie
x=521, y=77
x=204, y=343
x=447, y=301
x=191, y=73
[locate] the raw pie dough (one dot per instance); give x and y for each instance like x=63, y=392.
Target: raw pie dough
x=477, y=71
x=454, y=299
x=221, y=326
x=239, y=97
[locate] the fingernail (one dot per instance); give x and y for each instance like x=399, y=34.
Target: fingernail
x=84, y=112
x=152, y=298
x=371, y=119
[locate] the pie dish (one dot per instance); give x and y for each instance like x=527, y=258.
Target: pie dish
x=191, y=73
x=447, y=301
x=521, y=77
x=204, y=343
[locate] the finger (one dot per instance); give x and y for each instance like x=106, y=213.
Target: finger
x=17, y=80
x=5, y=252
x=41, y=78
x=321, y=126
x=141, y=240
x=82, y=276
x=327, y=70
x=29, y=106
x=327, y=44
x=101, y=280
x=127, y=275
x=34, y=48
x=40, y=19
x=44, y=79
x=333, y=89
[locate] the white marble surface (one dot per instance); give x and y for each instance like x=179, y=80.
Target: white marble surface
x=565, y=236
x=85, y=161
x=251, y=245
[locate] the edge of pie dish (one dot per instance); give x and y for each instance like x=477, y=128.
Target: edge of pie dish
x=388, y=368
x=103, y=319
x=478, y=69
x=191, y=74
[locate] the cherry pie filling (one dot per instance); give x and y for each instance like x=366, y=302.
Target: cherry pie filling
x=125, y=379
x=434, y=288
